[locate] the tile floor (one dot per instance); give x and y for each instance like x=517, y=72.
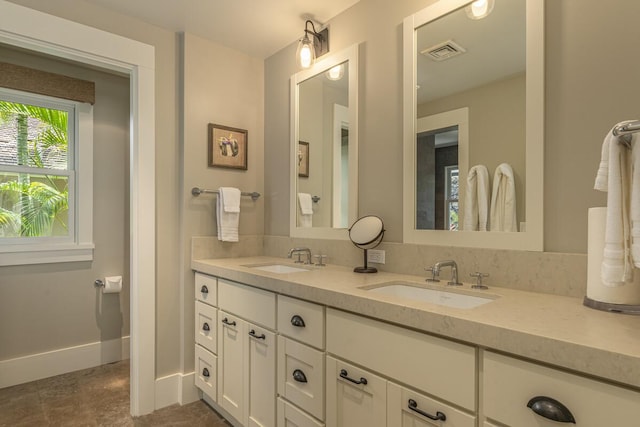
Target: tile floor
x=92, y=397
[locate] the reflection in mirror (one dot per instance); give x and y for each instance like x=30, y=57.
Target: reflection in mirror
x=324, y=138
x=473, y=101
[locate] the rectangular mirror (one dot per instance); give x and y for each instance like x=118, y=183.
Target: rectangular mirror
x=473, y=101
x=324, y=147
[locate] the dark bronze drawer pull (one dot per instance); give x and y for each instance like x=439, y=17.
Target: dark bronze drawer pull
x=260, y=337
x=551, y=409
x=226, y=322
x=296, y=320
x=345, y=375
x=204, y=289
x=205, y=327
x=439, y=416
x=299, y=376
x=205, y=372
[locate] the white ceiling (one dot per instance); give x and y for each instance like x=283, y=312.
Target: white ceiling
x=258, y=28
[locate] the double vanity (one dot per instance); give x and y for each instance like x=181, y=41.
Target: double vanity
x=281, y=344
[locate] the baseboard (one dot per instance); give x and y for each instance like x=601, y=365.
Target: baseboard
x=48, y=364
x=176, y=388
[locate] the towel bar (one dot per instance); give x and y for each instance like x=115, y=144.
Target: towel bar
x=623, y=131
x=195, y=191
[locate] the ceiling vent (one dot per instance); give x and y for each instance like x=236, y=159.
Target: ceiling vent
x=444, y=50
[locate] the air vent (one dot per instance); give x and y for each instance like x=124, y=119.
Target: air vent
x=444, y=50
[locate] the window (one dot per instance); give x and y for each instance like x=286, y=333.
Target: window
x=46, y=179
x=451, y=175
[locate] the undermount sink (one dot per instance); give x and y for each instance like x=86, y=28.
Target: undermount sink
x=277, y=268
x=454, y=299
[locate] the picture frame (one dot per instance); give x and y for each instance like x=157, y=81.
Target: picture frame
x=227, y=147
x=303, y=159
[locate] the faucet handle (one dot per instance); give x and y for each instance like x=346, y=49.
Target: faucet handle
x=479, y=276
x=435, y=273
x=320, y=259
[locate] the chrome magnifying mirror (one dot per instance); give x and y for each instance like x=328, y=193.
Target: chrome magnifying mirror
x=366, y=233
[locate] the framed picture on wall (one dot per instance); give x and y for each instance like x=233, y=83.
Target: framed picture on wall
x=303, y=159
x=227, y=147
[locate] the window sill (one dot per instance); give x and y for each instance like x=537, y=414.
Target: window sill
x=46, y=254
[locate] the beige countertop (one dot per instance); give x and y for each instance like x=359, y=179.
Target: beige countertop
x=548, y=328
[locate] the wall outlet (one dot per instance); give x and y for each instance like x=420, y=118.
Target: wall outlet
x=376, y=256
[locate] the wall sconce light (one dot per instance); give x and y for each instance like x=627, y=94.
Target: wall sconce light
x=479, y=9
x=311, y=48
x=335, y=73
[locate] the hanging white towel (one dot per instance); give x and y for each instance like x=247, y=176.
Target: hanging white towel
x=306, y=210
x=476, y=200
x=614, y=177
x=228, y=213
x=635, y=202
x=503, y=200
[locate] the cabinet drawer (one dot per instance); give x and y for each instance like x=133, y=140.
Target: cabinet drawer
x=440, y=367
x=290, y=416
x=407, y=408
x=355, y=397
x=301, y=320
x=301, y=376
x=206, y=289
x=206, y=318
x=256, y=305
x=509, y=384
x=206, y=372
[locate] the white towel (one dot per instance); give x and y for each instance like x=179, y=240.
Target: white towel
x=635, y=202
x=228, y=213
x=305, y=219
x=614, y=177
x=476, y=200
x=503, y=200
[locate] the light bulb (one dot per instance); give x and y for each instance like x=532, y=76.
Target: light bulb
x=479, y=9
x=306, y=53
x=335, y=73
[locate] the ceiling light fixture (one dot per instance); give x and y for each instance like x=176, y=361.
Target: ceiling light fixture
x=479, y=9
x=311, y=48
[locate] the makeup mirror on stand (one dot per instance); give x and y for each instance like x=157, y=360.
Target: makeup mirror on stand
x=366, y=233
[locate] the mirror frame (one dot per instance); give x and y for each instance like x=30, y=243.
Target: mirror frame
x=532, y=238
x=349, y=54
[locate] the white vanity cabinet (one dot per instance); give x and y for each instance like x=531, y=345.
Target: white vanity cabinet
x=441, y=368
x=206, y=335
x=525, y=394
x=247, y=354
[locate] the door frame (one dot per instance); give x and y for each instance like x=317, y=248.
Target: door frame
x=36, y=31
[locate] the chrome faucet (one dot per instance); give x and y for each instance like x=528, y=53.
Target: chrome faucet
x=299, y=251
x=454, y=271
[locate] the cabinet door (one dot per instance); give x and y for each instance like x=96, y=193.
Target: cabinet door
x=262, y=377
x=355, y=397
x=407, y=408
x=231, y=363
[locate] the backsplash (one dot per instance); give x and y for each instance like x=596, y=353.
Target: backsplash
x=546, y=272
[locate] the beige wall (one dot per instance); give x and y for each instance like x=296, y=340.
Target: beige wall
x=220, y=86
x=51, y=306
x=590, y=74
x=496, y=127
